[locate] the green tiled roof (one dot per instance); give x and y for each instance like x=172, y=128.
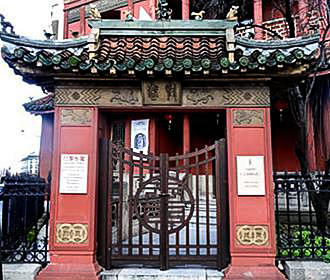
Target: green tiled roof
x=195, y=48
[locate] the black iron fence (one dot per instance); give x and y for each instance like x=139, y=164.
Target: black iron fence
x=24, y=208
x=301, y=212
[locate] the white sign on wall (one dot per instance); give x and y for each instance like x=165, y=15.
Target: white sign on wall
x=250, y=175
x=140, y=136
x=73, y=176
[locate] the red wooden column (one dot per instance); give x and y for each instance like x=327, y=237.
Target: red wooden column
x=185, y=9
x=257, y=18
x=251, y=209
x=152, y=138
x=186, y=133
x=73, y=208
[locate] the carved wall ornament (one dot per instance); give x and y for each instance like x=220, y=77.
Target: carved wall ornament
x=72, y=96
x=76, y=116
x=113, y=96
x=227, y=96
x=124, y=97
x=200, y=96
x=72, y=233
x=161, y=92
x=252, y=235
x=249, y=117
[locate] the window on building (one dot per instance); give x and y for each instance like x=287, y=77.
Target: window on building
x=118, y=132
x=176, y=6
x=112, y=14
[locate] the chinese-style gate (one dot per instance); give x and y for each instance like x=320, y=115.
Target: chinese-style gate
x=136, y=68
x=163, y=210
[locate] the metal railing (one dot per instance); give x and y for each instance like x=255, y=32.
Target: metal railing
x=301, y=213
x=24, y=202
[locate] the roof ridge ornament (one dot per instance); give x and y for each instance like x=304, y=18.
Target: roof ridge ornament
x=7, y=27
x=94, y=12
x=198, y=16
x=232, y=14
x=163, y=11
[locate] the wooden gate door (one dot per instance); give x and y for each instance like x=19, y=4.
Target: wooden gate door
x=163, y=210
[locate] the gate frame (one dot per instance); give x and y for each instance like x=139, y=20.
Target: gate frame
x=105, y=210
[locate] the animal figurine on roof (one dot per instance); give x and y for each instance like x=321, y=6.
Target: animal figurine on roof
x=128, y=16
x=198, y=16
x=232, y=14
x=94, y=12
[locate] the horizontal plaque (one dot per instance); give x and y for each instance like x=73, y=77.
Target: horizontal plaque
x=74, y=170
x=163, y=92
x=250, y=175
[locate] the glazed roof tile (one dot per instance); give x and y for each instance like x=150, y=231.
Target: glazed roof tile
x=41, y=105
x=125, y=48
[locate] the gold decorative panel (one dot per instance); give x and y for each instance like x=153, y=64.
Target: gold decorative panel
x=76, y=117
x=249, y=117
x=252, y=235
x=72, y=233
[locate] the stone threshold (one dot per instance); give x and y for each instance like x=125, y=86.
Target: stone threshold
x=20, y=271
x=155, y=274
x=307, y=270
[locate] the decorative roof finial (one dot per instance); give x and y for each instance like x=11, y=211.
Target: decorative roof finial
x=163, y=11
x=232, y=14
x=7, y=27
x=128, y=16
x=94, y=12
x=198, y=16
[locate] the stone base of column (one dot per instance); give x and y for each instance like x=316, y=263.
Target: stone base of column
x=70, y=272
x=254, y=272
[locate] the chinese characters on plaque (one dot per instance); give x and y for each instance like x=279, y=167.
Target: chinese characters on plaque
x=73, y=177
x=250, y=175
